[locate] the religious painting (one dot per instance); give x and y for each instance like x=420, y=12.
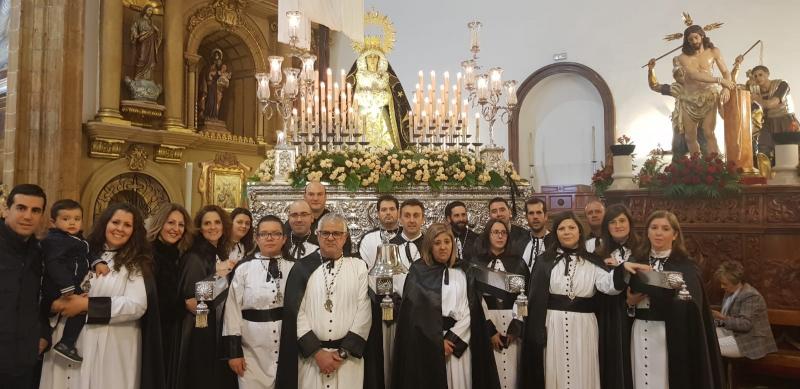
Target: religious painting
x=222, y=181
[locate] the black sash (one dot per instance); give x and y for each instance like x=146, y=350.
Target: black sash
x=649, y=315
x=332, y=343
x=263, y=315
x=560, y=302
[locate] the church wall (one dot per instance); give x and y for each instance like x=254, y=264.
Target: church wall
x=613, y=38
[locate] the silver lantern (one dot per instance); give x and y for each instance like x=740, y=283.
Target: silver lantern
x=203, y=292
x=387, y=265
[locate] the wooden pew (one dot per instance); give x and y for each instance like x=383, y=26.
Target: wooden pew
x=784, y=364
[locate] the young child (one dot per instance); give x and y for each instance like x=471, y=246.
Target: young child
x=66, y=265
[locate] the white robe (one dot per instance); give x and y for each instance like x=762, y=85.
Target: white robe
x=351, y=313
x=111, y=352
x=368, y=247
x=529, y=256
x=506, y=359
x=619, y=257
x=649, y=350
x=571, y=355
x=412, y=249
x=456, y=305
x=249, y=289
x=389, y=330
x=237, y=252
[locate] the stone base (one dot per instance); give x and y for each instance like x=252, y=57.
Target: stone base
x=214, y=125
x=786, y=160
x=142, y=113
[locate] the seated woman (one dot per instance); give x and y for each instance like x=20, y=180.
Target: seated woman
x=742, y=326
x=441, y=341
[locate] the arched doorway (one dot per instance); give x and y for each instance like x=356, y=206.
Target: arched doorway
x=142, y=191
x=604, y=134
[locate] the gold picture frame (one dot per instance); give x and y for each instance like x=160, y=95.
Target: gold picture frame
x=222, y=182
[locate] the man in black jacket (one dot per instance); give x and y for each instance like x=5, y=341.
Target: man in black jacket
x=23, y=335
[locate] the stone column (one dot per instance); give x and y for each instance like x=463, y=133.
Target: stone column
x=191, y=90
x=786, y=157
x=173, y=66
x=110, y=61
x=623, y=173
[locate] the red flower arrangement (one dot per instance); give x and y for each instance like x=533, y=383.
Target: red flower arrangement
x=705, y=177
x=601, y=179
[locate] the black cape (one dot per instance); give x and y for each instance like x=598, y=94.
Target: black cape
x=290, y=346
x=419, y=344
x=196, y=354
x=533, y=376
x=693, y=350
x=151, y=375
x=500, y=298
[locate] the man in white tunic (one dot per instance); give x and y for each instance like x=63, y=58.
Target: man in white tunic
x=254, y=309
x=540, y=237
x=388, y=213
x=301, y=241
x=409, y=240
x=327, y=316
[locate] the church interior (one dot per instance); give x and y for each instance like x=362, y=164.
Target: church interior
x=197, y=102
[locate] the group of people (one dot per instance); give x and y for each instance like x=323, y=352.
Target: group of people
x=293, y=305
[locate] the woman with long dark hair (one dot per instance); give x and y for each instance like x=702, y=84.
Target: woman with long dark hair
x=502, y=324
x=121, y=341
x=441, y=339
x=562, y=337
x=169, y=233
x=673, y=340
x=617, y=239
x=241, y=234
x=197, y=361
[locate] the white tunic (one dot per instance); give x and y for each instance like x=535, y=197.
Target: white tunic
x=649, y=349
x=408, y=247
x=619, y=257
x=111, y=352
x=351, y=312
x=389, y=330
x=571, y=356
x=237, y=252
x=249, y=289
x=309, y=248
x=456, y=305
x=532, y=251
x=506, y=359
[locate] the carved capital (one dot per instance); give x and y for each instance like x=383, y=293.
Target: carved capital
x=169, y=153
x=105, y=148
x=192, y=60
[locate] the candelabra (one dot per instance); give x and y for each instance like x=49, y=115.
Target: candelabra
x=485, y=89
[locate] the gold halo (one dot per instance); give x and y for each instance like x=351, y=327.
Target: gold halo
x=383, y=43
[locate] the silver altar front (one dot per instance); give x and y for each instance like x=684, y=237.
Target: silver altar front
x=360, y=210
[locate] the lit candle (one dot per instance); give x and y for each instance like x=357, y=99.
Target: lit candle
x=293, y=124
x=496, y=79
x=323, y=122
x=335, y=96
x=342, y=75
x=328, y=75
x=483, y=87
x=477, y=127
x=275, y=68
x=344, y=106
x=337, y=128
x=322, y=90
x=433, y=79
x=446, y=87
x=421, y=78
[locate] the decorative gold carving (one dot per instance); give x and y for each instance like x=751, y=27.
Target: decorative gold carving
x=169, y=153
x=227, y=137
x=222, y=181
x=137, y=157
x=105, y=148
x=141, y=190
x=142, y=113
x=385, y=42
x=227, y=12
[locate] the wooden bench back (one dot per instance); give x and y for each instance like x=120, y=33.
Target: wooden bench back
x=784, y=317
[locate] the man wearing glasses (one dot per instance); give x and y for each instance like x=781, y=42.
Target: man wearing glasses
x=327, y=316
x=301, y=241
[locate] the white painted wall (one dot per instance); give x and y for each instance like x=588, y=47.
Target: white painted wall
x=613, y=38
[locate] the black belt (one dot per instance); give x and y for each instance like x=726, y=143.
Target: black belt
x=649, y=315
x=560, y=302
x=263, y=315
x=332, y=343
x=448, y=323
x=495, y=304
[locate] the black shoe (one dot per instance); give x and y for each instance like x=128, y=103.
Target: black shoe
x=67, y=352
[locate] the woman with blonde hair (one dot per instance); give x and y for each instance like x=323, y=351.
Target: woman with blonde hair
x=673, y=340
x=441, y=339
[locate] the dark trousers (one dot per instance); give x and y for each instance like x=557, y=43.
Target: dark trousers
x=72, y=328
x=21, y=379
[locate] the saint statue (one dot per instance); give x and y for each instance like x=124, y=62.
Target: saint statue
x=214, y=83
x=381, y=99
x=146, y=38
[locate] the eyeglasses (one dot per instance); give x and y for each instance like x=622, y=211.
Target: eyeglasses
x=328, y=234
x=500, y=233
x=270, y=235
